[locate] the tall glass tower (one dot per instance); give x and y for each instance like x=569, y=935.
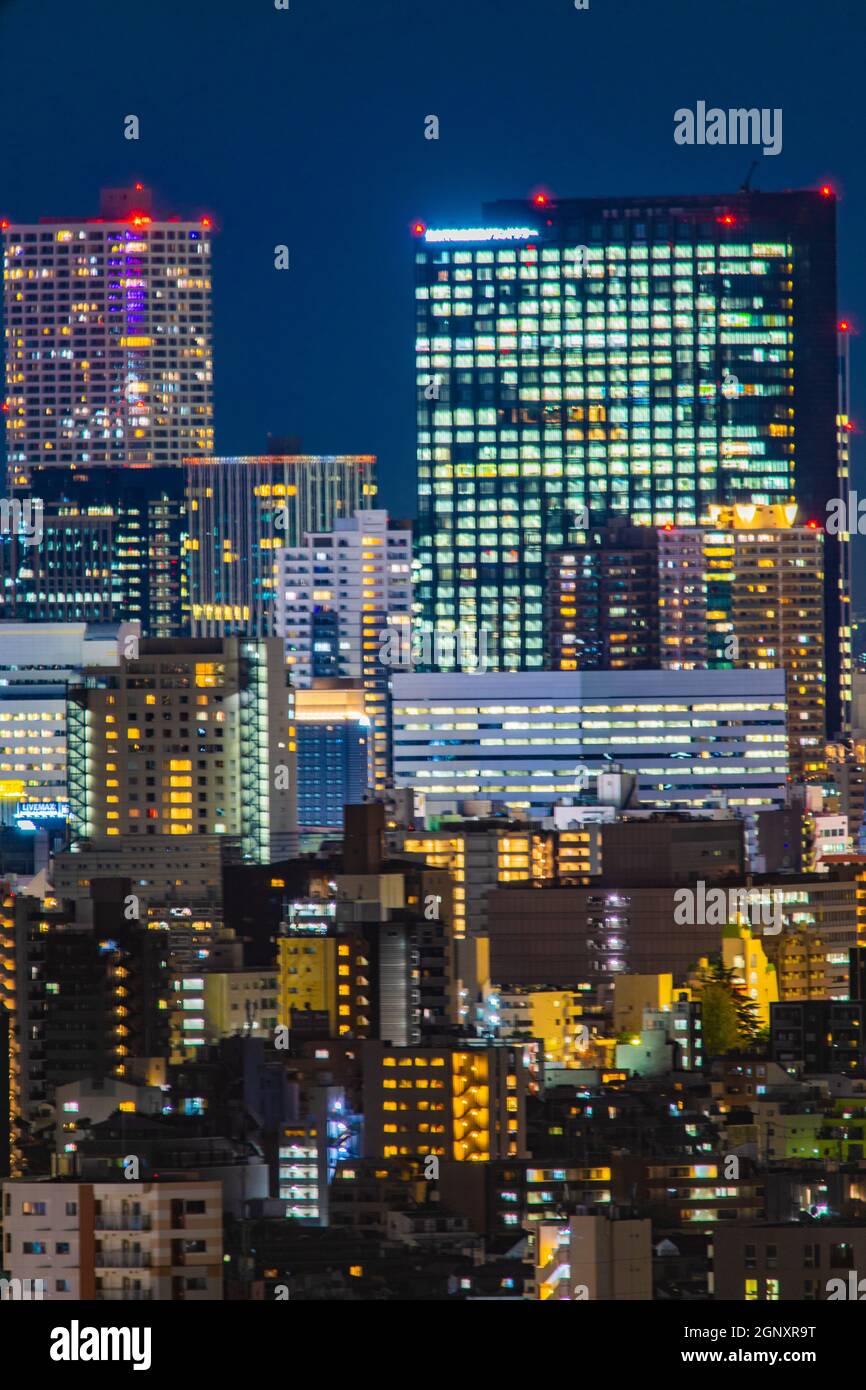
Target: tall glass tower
x=580, y=360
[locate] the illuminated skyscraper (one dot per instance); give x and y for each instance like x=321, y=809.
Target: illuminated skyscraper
x=601, y=601
x=108, y=338
x=243, y=512
x=581, y=359
x=746, y=591
x=192, y=737
x=112, y=550
x=338, y=595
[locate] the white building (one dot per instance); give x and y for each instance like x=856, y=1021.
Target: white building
x=341, y=597
x=37, y=661
x=108, y=337
x=332, y=586
x=694, y=739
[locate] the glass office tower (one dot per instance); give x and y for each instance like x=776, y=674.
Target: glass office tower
x=585, y=359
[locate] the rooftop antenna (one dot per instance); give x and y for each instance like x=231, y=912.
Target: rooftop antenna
x=747, y=185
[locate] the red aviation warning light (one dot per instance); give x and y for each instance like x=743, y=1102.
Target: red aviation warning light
x=207, y=222
x=826, y=190
x=844, y=326
x=727, y=219
x=418, y=229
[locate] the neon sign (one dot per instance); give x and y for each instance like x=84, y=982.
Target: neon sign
x=480, y=234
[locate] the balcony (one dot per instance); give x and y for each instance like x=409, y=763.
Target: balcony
x=128, y=1222
x=124, y=1295
x=122, y=1259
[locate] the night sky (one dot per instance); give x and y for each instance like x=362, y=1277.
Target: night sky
x=306, y=127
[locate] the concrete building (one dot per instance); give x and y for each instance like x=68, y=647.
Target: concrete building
x=337, y=589
x=566, y=937
x=479, y=854
x=694, y=739
x=116, y=1241
x=463, y=1101
x=787, y=1262
x=824, y=1035
x=80, y=1104
x=191, y=737
x=169, y=876
x=593, y=1257
x=344, y=609
x=646, y=848
x=244, y=1002
x=746, y=591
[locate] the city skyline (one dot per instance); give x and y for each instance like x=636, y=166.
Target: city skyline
x=286, y=381
x=432, y=704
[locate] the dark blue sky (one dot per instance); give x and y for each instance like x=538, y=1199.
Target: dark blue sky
x=306, y=128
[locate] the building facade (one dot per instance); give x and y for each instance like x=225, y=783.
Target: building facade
x=694, y=739
x=580, y=359
x=37, y=664
x=116, y=1241
x=343, y=601
x=108, y=338
x=243, y=512
x=192, y=737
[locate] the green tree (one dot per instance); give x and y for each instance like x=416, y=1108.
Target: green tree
x=730, y=1018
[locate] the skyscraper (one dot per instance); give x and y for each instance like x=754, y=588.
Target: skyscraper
x=601, y=601
x=746, y=591
x=190, y=737
x=580, y=359
x=112, y=550
x=108, y=338
x=341, y=596
x=335, y=757
x=243, y=511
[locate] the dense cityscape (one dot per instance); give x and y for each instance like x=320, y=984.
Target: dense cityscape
x=461, y=906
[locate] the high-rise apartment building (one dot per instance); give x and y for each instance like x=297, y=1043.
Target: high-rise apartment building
x=337, y=589
x=461, y=1101
x=243, y=512
x=747, y=591
x=88, y=990
x=192, y=737
x=580, y=359
x=601, y=602
x=583, y=1257
x=344, y=608
x=108, y=338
